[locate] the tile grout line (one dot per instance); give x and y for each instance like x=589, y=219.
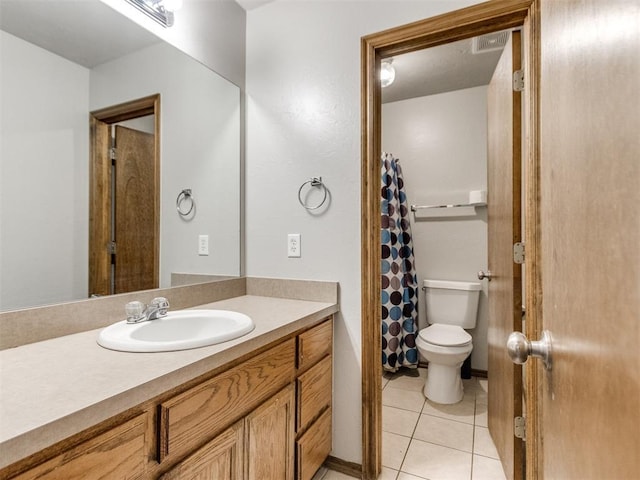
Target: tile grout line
x=473, y=439
x=404, y=457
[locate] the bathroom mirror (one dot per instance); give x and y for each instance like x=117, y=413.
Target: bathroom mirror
x=61, y=60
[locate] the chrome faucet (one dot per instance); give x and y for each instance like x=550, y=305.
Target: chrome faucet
x=139, y=312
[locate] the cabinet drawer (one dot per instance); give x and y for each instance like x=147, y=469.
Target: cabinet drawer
x=314, y=393
x=314, y=344
x=117, y=453
x=197, y=415
x=313, y=447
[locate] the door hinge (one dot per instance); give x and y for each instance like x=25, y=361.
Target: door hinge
x=112, y=154
x=518, y=253
x=111, y=248
x=520, y=427
x=518, y=81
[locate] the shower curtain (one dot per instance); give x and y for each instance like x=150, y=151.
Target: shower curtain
x=399, y=281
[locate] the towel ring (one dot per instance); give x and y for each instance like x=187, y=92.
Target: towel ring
x=314, y=182
x=184, y=196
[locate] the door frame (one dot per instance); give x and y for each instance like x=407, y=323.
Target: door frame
x=457, y=25
x=100, y=189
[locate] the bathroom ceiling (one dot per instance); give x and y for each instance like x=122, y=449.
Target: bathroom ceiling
x=75, y=22
x=440, y=69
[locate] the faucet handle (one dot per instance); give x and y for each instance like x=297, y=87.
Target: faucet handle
x=134, y=311
x=162, y=304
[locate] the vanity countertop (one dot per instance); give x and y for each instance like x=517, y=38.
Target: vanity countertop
x=55, y=388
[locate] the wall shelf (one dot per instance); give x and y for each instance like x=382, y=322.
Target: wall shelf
x=477, y=198
x=415, y=208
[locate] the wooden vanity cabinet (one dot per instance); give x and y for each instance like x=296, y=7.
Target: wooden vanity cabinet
x=295, y=424
x=258, y=447
x=267, y=417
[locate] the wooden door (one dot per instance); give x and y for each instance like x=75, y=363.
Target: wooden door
x=139, y=199
x=590, y=188
x=221, y=458
x=135, y=211
x=504, y=229
x=101, y=199
x=270, y=432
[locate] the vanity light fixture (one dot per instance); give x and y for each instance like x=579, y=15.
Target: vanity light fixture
x=160, y=10
x=387, y=72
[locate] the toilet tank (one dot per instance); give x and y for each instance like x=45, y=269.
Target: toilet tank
x=452, y=303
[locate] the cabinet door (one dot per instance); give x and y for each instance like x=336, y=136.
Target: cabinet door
x=220, y=459
x=270, y=438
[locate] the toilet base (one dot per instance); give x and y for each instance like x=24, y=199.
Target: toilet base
x=444, y=384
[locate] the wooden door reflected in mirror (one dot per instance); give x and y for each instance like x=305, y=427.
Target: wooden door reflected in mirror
x=124, y=199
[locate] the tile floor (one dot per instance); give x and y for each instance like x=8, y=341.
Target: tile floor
x=424, y=440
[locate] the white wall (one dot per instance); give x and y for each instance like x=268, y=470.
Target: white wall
x=212, y=32
x=200, y=150
x=43, y=176
x=303, y=120
x=441, y=141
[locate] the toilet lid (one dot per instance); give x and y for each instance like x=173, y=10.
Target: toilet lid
x=445, y=335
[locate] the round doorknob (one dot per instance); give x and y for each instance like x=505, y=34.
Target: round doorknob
x=482, y=275
x=520, y=348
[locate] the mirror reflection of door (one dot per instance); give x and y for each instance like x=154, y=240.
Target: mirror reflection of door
x=133, y=205
x=124, y=209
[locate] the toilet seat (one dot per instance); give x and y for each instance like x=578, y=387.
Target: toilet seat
x=445, y=335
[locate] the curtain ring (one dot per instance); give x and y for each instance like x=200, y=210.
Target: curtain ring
x=183, y=196
x=314, y=182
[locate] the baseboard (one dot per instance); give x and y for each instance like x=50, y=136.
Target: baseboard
x=348, y=468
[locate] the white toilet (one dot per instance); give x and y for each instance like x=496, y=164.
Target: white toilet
x=451, y=307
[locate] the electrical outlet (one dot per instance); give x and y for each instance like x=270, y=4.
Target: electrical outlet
x=293, y=245
x=203, y=245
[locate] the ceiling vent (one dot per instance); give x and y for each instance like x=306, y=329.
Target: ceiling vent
x=490, y=42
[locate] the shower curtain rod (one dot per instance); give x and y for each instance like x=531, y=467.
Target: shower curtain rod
x=459, y=205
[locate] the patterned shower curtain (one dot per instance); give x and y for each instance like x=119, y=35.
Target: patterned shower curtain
x=399, y=281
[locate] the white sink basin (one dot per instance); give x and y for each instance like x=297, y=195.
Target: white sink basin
x=178, y=330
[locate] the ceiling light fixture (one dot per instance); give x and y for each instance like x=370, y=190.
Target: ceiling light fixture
x=387, y=72
x=160, y=10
